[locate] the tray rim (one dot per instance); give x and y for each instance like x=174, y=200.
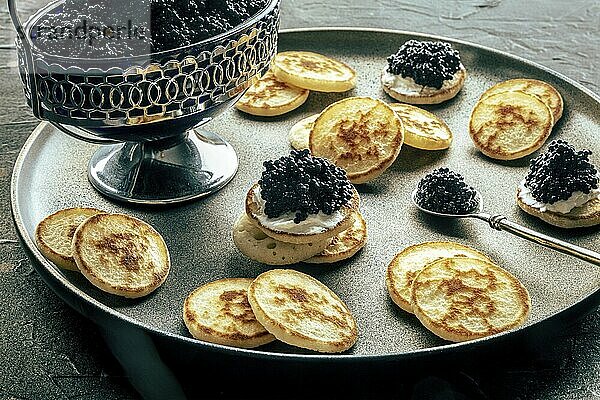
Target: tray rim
x=48, y=271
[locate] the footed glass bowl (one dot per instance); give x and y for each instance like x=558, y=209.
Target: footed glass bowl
x=146, y=110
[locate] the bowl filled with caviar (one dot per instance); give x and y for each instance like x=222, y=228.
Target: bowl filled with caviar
x=140, y=78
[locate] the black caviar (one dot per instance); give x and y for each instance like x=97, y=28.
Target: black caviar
x=303, y=184
x=427, y=63
x=559, y=172
x=124, y=28
x=445, y=191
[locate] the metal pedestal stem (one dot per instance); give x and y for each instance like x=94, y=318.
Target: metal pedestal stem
x=185, y=167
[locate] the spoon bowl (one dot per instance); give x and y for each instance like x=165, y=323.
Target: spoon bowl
x=473, y=213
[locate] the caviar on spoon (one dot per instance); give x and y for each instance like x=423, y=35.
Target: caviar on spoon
x=445, y=191
x=466, y=202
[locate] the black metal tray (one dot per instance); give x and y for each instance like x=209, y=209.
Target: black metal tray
x=50, y=174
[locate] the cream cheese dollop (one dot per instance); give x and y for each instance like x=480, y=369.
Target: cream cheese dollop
x=562, y=206
x=409, y=87
x=313, y=224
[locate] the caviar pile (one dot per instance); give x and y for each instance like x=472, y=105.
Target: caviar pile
x=303, y=184
x=427, y=63
x=559, y=172
x=445, y=191
x=177, y=23
x=124, y=28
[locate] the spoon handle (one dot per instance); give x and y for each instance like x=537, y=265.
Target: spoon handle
x=500, y=222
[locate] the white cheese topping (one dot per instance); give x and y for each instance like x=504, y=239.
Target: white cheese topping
x=562, y=206
x=315, y=223
x=409, y=87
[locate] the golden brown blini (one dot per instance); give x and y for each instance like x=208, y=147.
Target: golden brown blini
x=54, y=234
x=313, y=71
x=510, y=125
x=219, y=312
x=426, y=95
x=546, y=92
x=269, y=97
x=258, y=246
x=588, y=214
x=121, y=254
x=461, y=299
x=407, y=264
x=301, y=311
x=422, y=129
x=300, y=132
x=362, y=135
x=345, y=244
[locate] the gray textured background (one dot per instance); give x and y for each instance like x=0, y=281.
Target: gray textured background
x=47, y=351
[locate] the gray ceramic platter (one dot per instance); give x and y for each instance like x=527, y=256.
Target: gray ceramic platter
x=50, y=174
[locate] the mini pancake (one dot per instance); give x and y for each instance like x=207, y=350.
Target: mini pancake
x=313, y=71
x=546, y=92
x=510, y=125
x=256, y=245
x=461, y=299
x=54, y=234
x=301, y=311
x=588, y=214
x=300, y=132
x=219, y=312
x=311, y=234
x=270, y=97
x=422, y=129
x=121, y=254
x=362, y=135
x=427, y=95
x=407, y=264
x=345, y=244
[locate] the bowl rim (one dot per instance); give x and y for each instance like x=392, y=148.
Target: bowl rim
x=50, y=58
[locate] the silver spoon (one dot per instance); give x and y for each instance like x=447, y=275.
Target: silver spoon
x=501, y=223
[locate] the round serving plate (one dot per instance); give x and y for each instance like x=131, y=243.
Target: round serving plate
x=50, y=174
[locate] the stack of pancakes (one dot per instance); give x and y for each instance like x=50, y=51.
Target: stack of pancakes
x=117, y=253
x=293, y=75
x=457, y=292
x=513, y=118
x=273, y=246
x=278, y=304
